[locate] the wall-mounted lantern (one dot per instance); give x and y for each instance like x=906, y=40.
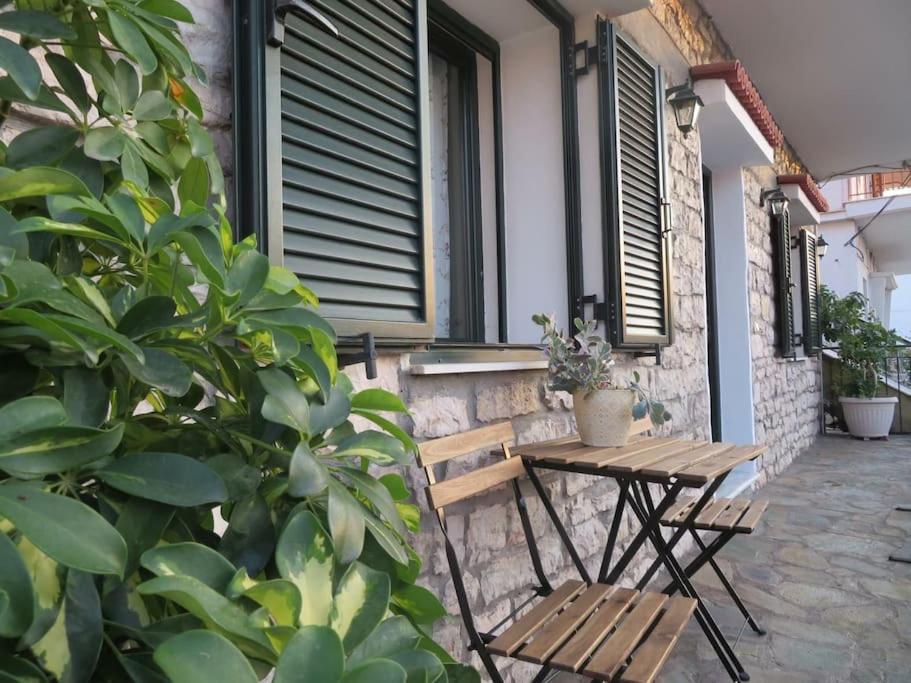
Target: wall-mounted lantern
x=776, y=199
x=686, y=104
x=822, y=246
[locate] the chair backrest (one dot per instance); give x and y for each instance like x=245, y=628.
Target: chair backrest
x=437, y=451
x=641, y=426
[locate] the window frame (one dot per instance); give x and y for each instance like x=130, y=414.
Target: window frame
x=613, y=313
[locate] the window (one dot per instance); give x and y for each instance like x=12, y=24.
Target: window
x=637, y=246
x=784, y=301
x=455, y=169
x=420, y=175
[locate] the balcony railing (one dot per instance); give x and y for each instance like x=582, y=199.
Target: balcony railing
x=895, y=380
x=879, y=185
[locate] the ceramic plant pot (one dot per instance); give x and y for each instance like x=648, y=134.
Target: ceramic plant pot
x=869, y=418
x=603, y=417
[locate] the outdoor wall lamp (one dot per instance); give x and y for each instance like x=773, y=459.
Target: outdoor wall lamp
x=822, y=246
x=686, y=104
x=777, y=200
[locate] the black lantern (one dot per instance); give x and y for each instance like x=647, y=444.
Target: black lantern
x=686, y=104
x=822, y=246
x=777, y=201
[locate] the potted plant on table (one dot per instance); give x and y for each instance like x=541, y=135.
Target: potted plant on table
x=583, y=366
x=864, y=346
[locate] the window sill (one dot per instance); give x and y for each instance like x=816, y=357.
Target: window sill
x=456, y=361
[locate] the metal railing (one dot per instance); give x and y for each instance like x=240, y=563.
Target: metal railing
x=895, y=380
x=874, y=185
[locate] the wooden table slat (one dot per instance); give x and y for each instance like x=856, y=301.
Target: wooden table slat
x=613, y=652
x=561, y=627
x=599, y=457
x=712, y=468
x=509, y=641
x=635, y=463
x=544, y=450
x=678, y=510
x=672, y=465
x=578, y=648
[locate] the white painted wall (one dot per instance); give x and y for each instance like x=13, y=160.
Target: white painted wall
x=536, y=277
x=844, y=269
x=901, y=306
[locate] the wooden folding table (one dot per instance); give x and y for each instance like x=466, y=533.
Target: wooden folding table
x=674, y=465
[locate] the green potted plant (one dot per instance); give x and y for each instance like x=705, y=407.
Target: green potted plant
x=583, y=366
x=864, y=347
x=184, y=494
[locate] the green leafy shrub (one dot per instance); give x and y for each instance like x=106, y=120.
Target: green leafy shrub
x=864, y=344
x=154, y=373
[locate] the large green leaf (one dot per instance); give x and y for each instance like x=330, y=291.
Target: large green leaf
x=44, y=145
x=70, y=649
x=361, y=601
x=307, y=476
x=16, y=585
x=29, y=414
x=376, y=671
x=285, y=403
x=249, y=540
x=419, y=665
x=161, y=370
x=129, y=36
x=168, y=8
x=19, y=670
x=35, y=24
x=165, y=477
x=346, y=523
x=85, y=397
x=393, y=635
x=378, y=399
x=204, y=250
x=247, y=276
x=316, y=650
x=375, y=446
x=216, y=611
x=40, y=181
x=378, y=495
x=185, y=657
x=57, y=449
x=304, y=556
x=105, y=143
x=21, y=67
x=147, y=315
x=70, y=79
x=66, y=530
x=419, y=604
x=190, y=559
x=193, y=187
x=332, y=413
x=298, y=318
x=142, y=524
x=281, y=597
x=152, y=106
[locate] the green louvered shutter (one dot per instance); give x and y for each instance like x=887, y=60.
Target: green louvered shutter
x=638, y=278
x=809, y=261
x=354, y=201
x=784, y=299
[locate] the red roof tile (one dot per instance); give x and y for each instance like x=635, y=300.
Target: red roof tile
x=740, y=84
x=809, y=186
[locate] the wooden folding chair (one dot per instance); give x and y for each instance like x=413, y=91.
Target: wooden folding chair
x=601, y=631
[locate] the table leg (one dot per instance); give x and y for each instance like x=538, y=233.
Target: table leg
x=709, y=626
x=614, y=530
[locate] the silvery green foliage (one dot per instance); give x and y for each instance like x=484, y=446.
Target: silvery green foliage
x=580, y=363
x=585, y=363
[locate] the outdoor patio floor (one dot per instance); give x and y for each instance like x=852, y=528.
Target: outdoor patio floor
x=816, y=574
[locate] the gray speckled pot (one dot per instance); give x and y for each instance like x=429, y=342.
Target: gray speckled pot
x=603, y=417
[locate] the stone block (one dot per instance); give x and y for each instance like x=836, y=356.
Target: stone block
x=506, y=400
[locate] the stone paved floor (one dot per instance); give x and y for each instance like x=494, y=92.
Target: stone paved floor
x=816, y=574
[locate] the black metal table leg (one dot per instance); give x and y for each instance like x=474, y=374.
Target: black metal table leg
x=614, y=530
x=709, y=626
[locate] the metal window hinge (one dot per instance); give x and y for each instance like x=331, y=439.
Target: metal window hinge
x=599, y=310
x=589, y=56
x=366, y=356
x=279, y=9
x=652, y=353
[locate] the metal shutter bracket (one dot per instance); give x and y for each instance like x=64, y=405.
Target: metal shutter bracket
x=279, y=9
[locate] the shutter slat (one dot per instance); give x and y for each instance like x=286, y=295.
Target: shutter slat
x=781, y=239
x=352, y=187
x=810, y=289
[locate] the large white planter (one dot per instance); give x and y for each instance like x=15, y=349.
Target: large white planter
x=604, y=417
x=869, y=418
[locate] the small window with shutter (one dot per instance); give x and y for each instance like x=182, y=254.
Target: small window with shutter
x=636, y=226
x=809, y=282
x=784, y=289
